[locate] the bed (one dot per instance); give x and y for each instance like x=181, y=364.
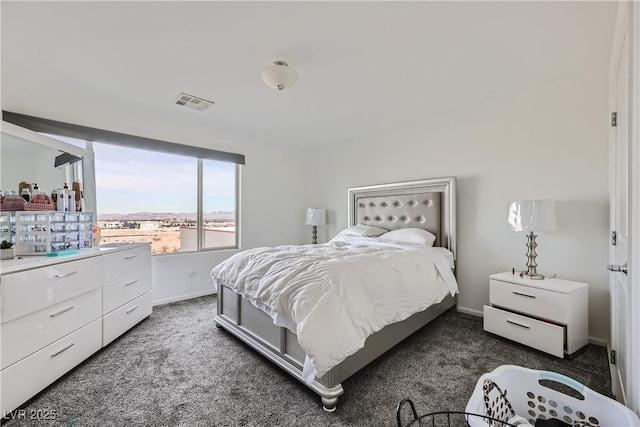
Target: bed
x=425, y=204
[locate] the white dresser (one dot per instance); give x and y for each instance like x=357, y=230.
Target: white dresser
x=550, y=315
x=56, y=312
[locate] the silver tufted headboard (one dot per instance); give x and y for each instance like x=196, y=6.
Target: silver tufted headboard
x=428, y=204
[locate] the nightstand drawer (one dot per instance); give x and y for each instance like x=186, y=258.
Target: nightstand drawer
x=525, y=330
x=530, y=300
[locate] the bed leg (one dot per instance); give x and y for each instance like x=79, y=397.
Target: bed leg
x=329, y=404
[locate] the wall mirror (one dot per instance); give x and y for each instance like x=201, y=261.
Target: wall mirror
x=35, y=158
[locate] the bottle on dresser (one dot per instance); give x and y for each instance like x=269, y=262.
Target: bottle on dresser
x=63, y=198
x=26, y=195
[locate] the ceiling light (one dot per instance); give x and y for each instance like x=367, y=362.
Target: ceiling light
x=279, y=75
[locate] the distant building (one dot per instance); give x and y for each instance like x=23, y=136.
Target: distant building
x=214, y=237
x=110, y=225
x=149, y=225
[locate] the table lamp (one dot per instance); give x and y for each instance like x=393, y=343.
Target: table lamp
x=316, y=217
x=532, y=216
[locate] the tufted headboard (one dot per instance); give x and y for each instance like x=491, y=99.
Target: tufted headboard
x=428, y=204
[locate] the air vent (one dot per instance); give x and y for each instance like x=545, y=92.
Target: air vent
x=193, y=102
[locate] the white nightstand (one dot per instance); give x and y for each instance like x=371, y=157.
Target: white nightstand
x=550, y=315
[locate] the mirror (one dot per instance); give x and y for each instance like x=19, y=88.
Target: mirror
x=29, y=156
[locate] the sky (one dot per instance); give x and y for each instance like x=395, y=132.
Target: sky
x=129, y=181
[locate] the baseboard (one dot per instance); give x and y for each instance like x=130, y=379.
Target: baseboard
x=599, y=342
x=183, y=297
x=470, y=311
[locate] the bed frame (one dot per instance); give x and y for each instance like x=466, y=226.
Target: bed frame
x=428, y=204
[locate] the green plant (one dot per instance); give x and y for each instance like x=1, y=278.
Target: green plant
x=6, y=245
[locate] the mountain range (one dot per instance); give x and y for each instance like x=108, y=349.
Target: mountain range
x=166, y=216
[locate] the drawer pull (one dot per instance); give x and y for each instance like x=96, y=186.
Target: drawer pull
x=130, y=283
x=132, y=309
x=130, y=257
x=64, y=349
x=523, y=295
x=71, y=273
x=58, y=313
x=518, y=324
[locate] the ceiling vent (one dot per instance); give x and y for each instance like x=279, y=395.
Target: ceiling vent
x=193, y=102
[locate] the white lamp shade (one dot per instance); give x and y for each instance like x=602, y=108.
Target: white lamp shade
x=532, y=215
x=316, y=216
x=279, y=76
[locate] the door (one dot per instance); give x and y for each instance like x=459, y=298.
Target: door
x=619, y=255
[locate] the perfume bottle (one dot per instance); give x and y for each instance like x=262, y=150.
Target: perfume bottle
x=26, y=194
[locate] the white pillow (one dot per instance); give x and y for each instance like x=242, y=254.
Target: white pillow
x=362, y=230
x=416, y=236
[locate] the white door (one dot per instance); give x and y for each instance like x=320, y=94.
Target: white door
x=619, y=255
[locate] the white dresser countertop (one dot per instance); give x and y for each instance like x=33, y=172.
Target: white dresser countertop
x=28, y=262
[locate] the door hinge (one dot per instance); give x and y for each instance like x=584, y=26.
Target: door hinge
x=614, y=238
x=614, y=119
x=613, y=357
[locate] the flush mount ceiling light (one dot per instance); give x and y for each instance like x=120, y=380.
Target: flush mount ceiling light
x=279, y=76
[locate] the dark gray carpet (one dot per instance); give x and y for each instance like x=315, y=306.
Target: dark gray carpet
x=177, y=369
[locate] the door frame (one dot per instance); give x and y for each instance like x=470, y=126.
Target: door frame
x=629, y=14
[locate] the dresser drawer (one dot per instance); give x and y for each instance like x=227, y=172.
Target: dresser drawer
x=533, y=301
x=123, y=263
x=125, y=289
x=28, y=334
x=525, y=330
x=22, y=380
x=32, y=290
x=125, y=317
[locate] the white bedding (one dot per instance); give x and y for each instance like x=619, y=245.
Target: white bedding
x=334, y=295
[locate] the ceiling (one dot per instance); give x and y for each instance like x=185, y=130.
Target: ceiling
x=363, y=66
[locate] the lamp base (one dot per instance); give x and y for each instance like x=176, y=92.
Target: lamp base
x=314, y=235
x=534, y=276
x=531, y=272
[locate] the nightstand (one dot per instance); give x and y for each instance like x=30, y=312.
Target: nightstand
x=550, y=315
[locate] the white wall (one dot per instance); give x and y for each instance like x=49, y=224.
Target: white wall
x=551, y=142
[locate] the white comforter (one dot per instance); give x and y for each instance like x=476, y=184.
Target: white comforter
x=337, y=294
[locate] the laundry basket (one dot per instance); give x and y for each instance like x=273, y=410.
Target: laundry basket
x=529, y=393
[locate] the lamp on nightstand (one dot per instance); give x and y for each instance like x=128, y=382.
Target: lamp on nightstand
x=532, y=216
x=316, y=217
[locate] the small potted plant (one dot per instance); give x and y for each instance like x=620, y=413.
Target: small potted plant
x=7, y=251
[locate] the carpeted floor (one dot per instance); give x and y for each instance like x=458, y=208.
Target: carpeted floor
x=177, y=369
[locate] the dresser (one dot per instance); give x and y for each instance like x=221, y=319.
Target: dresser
x=550, y=315
x=57, y=311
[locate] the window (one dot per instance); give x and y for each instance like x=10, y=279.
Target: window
x=145, y=196
x=218, y=204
